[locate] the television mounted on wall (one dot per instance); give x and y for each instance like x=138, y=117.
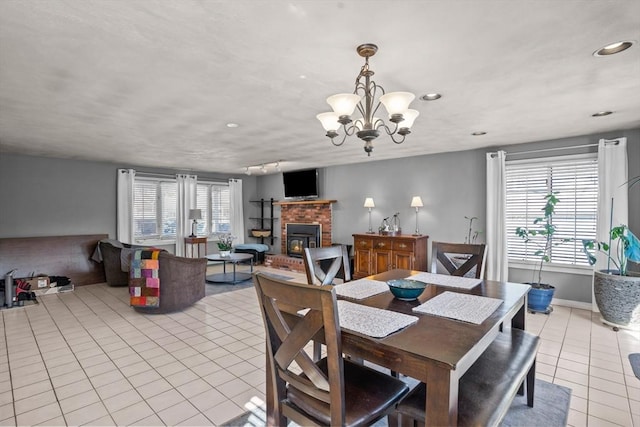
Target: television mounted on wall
x=302, y=184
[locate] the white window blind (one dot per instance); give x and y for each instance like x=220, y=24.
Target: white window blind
x=154, y=209
x=575, y=180
x=214, y=201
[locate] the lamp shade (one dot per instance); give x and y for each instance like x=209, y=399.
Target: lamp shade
x=416, y=202
x=195, y=214
x=397, y=102
x=368, y=203
x=409, y=116
x=329, y=121
x=343, y=104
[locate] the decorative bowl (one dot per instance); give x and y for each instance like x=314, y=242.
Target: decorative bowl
x=406, y=289
x=260, y=232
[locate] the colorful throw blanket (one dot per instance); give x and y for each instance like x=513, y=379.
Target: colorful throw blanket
x=144, y=278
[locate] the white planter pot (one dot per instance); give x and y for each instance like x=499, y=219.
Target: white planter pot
x=618, y=299
x=225, y=253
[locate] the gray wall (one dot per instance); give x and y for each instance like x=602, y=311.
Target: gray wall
x=452, y=186
x=56, y=197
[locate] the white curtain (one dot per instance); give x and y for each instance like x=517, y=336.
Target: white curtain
x=237, y=212
x=497, y=267
x=612, y=187
x=185, y=200
x=124, y=208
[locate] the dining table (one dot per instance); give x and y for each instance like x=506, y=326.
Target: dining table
x=435, y=350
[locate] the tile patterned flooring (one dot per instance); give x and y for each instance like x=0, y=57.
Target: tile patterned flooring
x=86, y=358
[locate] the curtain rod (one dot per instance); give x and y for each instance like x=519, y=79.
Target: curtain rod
x=552, y=149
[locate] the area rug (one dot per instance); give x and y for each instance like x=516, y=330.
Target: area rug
x=551, y=407
x=634, y=359
x=219, y=288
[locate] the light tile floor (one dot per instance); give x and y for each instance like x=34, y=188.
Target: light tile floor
x=86, y=358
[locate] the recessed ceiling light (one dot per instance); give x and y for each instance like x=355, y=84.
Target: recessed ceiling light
x=431, y=97
x=302, y=76
x=478, y=133
x=602, y=113
x=232, y=125
x=613, y=48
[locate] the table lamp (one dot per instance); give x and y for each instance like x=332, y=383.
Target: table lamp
x=195, y=215
x=416, y=202
x=368, y=203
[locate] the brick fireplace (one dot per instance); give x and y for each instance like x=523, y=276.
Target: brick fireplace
x=311, y=212
x=306, y=212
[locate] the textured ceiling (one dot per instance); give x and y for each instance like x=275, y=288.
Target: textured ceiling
x=154, y=83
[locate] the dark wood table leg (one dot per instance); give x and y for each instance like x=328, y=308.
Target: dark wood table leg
x=442, y=399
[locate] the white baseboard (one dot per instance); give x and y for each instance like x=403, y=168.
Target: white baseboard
x=571, y=303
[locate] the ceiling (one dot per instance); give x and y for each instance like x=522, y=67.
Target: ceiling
x=154, y=83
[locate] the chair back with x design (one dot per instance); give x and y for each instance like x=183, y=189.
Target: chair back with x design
x=458, y=259
x=334, y=259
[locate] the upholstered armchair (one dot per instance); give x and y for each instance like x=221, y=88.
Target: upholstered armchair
x=182, y=280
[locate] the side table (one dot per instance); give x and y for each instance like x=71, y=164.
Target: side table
x=190, y=242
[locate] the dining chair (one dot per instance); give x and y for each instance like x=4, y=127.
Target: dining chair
x=458, y=259
x=325, y=264
x=332, y=391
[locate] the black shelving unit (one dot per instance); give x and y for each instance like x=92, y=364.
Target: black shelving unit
x=266, y=221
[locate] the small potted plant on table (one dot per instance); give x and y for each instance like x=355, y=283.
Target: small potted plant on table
x=225, y=242
x=541, y=235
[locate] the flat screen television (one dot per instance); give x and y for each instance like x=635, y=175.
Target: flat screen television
x=301, y=184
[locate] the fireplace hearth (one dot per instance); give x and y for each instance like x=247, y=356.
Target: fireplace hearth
x=300, y=236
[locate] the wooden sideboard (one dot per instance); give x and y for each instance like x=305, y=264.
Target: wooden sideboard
x=375, y=253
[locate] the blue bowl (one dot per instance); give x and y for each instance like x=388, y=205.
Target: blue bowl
x=406, y=289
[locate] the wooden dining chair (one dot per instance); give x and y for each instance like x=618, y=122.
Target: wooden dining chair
x=332, y=391
x=458, y=259
x=325, y=264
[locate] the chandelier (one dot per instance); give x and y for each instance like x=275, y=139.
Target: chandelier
x=368, y=127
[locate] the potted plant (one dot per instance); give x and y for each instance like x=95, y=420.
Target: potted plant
x=617, y=290
x=225, y=242
x=541, y=235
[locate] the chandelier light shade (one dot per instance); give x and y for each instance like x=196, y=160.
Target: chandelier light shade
x=416, y=202
x=367, y=126
x=368, y=203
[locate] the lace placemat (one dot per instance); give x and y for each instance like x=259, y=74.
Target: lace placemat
x=446, y=280
x=465, y=307
x=361, y=288
x=374, y=322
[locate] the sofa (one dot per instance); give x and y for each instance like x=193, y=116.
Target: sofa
x=182, y=280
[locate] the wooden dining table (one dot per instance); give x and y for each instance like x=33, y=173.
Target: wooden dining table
x=435, y=350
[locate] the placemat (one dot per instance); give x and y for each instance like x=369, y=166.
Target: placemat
x=374, y=322
x=465, y=307
x=446, y=280
x=361, y=288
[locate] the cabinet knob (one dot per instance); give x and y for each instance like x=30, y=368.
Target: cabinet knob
x=402, y=245
x=363, y=243
x=381, y=245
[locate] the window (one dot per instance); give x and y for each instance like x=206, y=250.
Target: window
x=214, y=202
x=575, y=180
x=154, y=209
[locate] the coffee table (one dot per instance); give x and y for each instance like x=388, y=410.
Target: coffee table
x=233, y=277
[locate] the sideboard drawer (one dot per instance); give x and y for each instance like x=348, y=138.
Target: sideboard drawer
x=382, y=244
x=403, y=245
x=361, y=243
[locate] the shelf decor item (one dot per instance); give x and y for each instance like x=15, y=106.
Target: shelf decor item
x=225, y=242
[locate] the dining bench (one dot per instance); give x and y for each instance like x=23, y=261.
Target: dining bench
x=489, y=386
